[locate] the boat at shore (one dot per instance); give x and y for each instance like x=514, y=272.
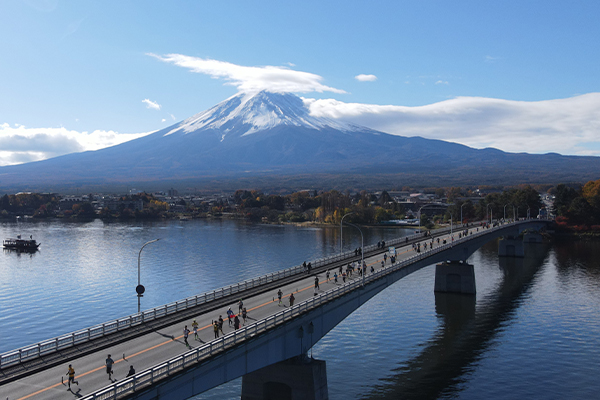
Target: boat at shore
x=401, y=222
x=21, y=244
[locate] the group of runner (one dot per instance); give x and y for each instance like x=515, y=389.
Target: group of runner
x=109, y=362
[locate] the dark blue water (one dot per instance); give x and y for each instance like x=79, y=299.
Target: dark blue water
x=532, y=331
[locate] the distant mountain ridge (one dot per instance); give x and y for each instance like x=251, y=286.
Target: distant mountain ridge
x=271, y=139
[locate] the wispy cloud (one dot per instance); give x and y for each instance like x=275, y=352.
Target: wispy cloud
x=20, y=144
x=365, y=78
x=565, y=126
x=440, y=82
x=151, y=104
x=249, y=79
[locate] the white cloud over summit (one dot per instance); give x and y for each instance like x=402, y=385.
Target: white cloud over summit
x=565, y=126
x=250, y=79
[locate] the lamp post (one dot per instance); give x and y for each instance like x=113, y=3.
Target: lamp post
x=505, y=212
x=141, y=289
x=461, y=218
x=341, y=222
x=451, y=237
x=517, y=212
x=528, y=211
x=487, y=212
x=362, y=251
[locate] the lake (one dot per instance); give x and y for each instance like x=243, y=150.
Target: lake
x=532, y=330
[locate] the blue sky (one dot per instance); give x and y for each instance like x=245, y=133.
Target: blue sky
x=516, y=75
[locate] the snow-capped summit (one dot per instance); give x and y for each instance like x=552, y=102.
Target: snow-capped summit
x=247, y=113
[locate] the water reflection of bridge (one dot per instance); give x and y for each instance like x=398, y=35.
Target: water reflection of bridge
x=466, y=333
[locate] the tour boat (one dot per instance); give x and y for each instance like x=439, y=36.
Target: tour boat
x=21, y=244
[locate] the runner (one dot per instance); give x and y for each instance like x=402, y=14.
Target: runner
x=216, y=329
x=221, y=325
x=230, y=315
x=109, y=364
x=186, y=333
x=279, y=294
x=195, y=328
x=71, y=373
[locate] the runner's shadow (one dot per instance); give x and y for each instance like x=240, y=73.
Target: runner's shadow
x=77, y=393
x=165, y=335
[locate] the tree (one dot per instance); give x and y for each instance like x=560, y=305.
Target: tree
x=453, y=193
x=425, y=221
x=563, y=198
x=87, y=210
x=381, y=214
x=5, y=203
x=591, y=192
x=580, y=211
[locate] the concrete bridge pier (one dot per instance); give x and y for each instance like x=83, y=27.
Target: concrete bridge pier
x=533, y=237
x=455, y=277
x=297, y=378
x=511, y=247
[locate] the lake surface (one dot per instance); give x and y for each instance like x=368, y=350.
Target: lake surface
x=532, y=330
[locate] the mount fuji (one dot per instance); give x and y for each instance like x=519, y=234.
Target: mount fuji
x=266, y=138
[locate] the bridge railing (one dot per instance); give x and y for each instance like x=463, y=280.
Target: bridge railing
x=81, y=336
x=145, y=378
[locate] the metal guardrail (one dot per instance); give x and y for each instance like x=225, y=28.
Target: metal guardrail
x=81, y=336
x=148, y=377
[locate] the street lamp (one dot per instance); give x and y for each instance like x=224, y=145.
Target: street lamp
x=505, y=212
x=528, y=210
x=486, y=211
x=141, y=289
x=461, y=218
x=362, y=252
x=341, y=222
x=451, y=237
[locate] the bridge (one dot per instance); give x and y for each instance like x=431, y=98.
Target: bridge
x=268, y=346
